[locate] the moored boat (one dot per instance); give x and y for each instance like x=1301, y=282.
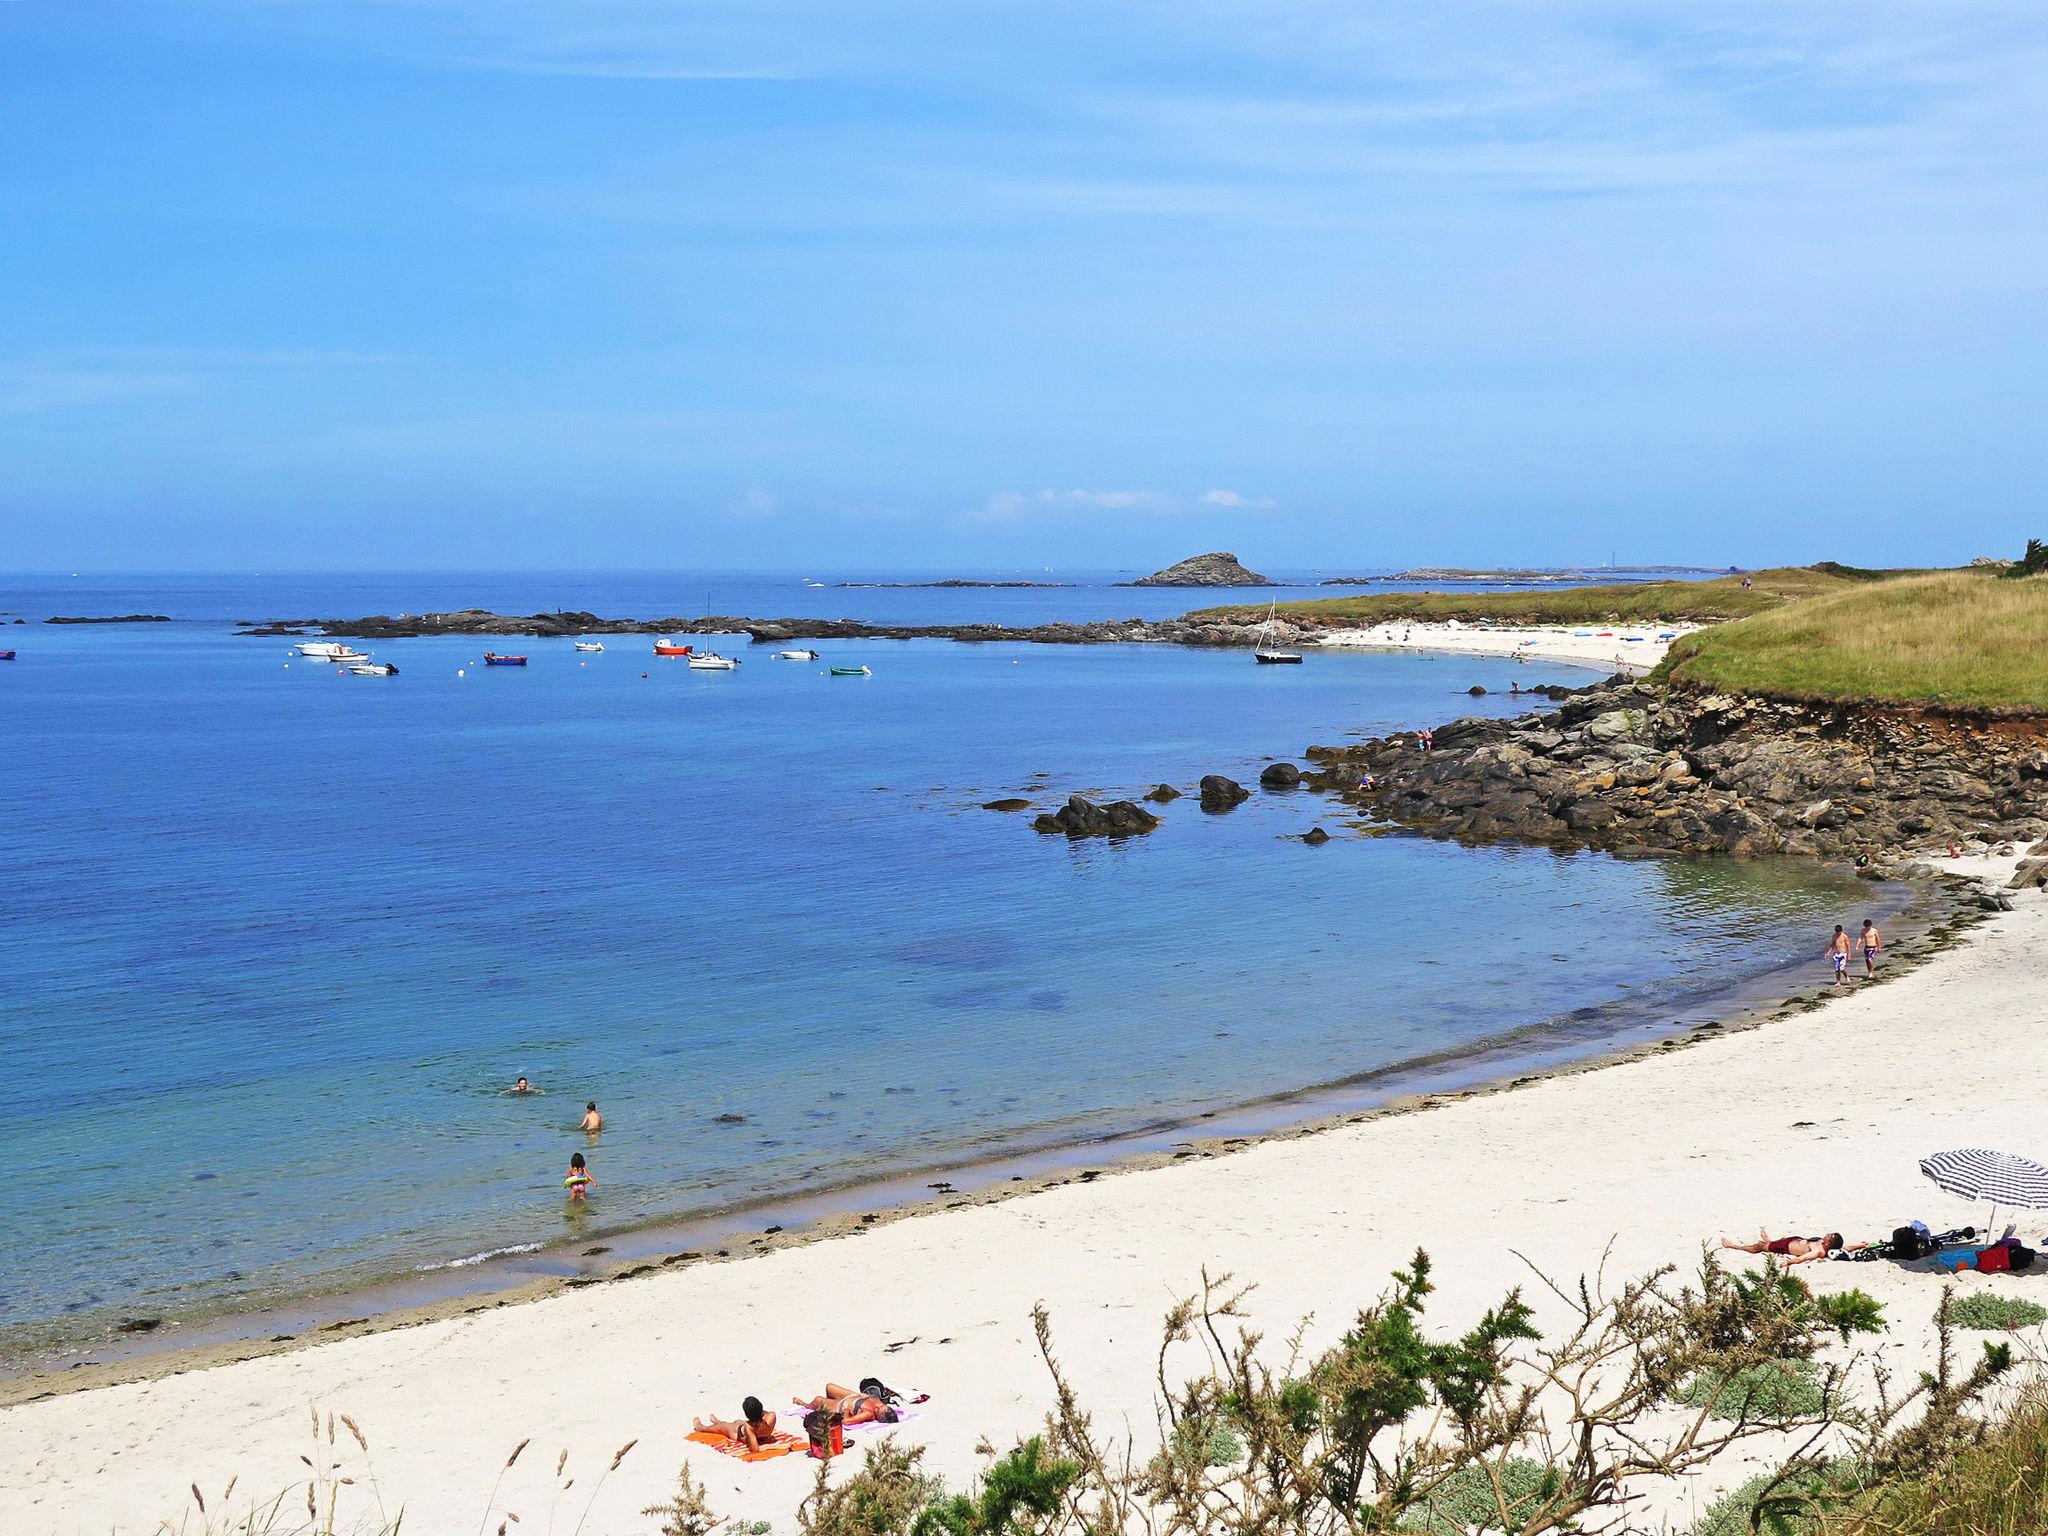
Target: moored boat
x=796, y=655
x=711, y=661
x=324, y=650
x=1262, y=648
x=371, y=669
x=668, y=647
x=589, y=645
x=852, y=672
x=493, y=659
x=6, y=655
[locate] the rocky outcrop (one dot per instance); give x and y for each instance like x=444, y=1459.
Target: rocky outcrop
x=119, y=618
x=1280, y=776
x=1629, y=765
x=1221, y=794
x=1162, y=793
x=481, y=622
x=1082, y=818
x=1315, y=837
x=1212, y=570
x=1008, y=803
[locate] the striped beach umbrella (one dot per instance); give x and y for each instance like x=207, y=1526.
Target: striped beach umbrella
x=1976, y=1173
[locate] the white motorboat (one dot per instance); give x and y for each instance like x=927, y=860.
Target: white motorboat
x=371, y=669
x=345, y=657
x=589, y=645
x=324, y=650
x=796, y=655
x=711, y=661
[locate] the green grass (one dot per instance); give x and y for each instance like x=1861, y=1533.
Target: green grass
x=1774, y=1389
x=1995, y=1313
x=1952, y=639
x=1651, y=602
x=1465, y=1501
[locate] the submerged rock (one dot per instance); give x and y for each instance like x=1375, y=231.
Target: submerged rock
x=1162, y=793
x=1315, y=837
x=1011, y=803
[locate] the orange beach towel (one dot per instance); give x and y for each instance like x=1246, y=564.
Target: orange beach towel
x=777, y=1445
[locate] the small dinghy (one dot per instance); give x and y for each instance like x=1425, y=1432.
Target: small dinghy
x=851, y=672
x=371, y=669
x=796, y=655
x=589, y=645
x=668, y=647
x=711, y=661
x=6, y=655
x=493, y=659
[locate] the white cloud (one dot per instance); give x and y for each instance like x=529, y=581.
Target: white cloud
x=1008, y=506
x=630, y=69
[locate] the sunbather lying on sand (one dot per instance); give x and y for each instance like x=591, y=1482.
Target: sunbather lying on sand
x=1793, y=1250
x=851, y=1406
x=753, y=1431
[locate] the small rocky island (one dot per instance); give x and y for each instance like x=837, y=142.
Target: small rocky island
x=1211, y=570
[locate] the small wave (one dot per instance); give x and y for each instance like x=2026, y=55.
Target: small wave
x=478, y=1258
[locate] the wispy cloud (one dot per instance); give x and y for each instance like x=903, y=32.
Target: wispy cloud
x=36, y=391
x=1012, y=506
x=634, y=69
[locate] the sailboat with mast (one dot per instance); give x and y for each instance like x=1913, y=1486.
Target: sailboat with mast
x=1262, y=645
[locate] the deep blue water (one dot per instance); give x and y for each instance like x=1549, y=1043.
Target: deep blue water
x=275, y=939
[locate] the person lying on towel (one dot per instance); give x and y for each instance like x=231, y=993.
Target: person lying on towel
x=754, y=1429
x=852, y=1407
x=1793, y=1250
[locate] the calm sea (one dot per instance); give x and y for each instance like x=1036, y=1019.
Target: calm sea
x=275, y=940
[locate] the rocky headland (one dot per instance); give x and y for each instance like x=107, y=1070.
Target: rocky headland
x=1212, y=570
x=1634, y=765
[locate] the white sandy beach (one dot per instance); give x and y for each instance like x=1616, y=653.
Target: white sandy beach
x=1619, y=648
x=1796, y=1124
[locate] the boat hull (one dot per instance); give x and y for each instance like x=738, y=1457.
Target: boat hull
x=1276, y=658
x=504, y=661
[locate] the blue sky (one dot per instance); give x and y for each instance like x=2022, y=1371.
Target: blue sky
x=473, y=283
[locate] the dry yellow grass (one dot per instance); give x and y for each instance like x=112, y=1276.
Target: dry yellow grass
x=1957, y=639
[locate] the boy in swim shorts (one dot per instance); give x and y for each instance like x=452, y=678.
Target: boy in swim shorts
x=1838, y=955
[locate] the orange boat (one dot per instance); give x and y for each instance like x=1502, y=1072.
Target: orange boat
x=666, y=647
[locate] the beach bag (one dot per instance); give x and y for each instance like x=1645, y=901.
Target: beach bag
x=826, y=1434
x=2020, y=1256
x=872, y=1386
x=1993, y=1259
x=1911, y=1242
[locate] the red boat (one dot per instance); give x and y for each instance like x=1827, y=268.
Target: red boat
x=493, y=659
x=670, y=648
x=6, y=655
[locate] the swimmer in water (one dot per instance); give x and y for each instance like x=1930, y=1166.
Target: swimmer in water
x=522, y=1086
x=593, y=1122
x=579, y=1178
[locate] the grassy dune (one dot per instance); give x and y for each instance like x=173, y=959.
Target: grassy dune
x=1951, y=638
x=1655, y=602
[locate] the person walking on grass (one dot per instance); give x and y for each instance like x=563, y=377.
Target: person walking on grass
x=1838, y=955
x=1872, y=942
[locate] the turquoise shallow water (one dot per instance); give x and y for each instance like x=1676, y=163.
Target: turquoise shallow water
x=275, y=940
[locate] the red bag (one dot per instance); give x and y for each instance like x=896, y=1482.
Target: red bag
x=1989, y=1259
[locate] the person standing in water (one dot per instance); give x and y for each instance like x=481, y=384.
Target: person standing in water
x=1871, y=941
x=593, y=1122
x=1838, y=955
x=579, y=1178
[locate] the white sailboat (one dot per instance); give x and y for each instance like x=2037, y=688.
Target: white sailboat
x=1262, y=645
x=711, y=661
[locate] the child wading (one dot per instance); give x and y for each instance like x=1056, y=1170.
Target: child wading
x=579, y=1178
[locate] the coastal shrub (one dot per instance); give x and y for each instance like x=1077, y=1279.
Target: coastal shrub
x=1483, y=1498
x=1992, y=1312
x=1789, y=1500
x=2032, y=563
x=1773, y=1389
